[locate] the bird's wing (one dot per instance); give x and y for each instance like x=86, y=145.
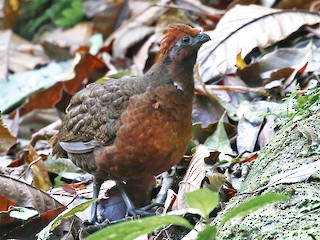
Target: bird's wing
x=94, y=112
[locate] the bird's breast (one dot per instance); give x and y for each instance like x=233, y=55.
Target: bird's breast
x=153, y=136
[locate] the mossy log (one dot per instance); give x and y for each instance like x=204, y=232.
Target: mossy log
x=296, y=144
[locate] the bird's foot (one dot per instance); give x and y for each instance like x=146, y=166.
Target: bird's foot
x=91, y=227
x=145, y=211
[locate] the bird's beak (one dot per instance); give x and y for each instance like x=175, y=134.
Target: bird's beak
x=203, y=37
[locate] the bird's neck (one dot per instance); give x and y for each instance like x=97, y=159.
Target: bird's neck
x=178, y=73
x=181, y=72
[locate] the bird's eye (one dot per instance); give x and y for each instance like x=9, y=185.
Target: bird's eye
x=185, y=40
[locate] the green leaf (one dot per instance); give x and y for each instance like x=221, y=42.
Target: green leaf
x=202, y=201
x=219, y=140
x=70, y=15
x=45, y=233
x=254, y=204
x=132, y=229
x=208, y=233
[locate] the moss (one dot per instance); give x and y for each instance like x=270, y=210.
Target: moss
x=294, y=219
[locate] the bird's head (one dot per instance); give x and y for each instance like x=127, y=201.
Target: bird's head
x=181, y=41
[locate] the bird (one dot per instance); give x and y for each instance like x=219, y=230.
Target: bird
x=134, y=128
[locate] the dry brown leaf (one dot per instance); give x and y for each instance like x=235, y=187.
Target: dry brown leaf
x=193, y=177
x=65, y=38
x=41, y=178
x=5, y=37
x=141, y=57
x=294, y=4
x=107, y=20
x=129, y=38
x=30, y=228
x=24, y=55
x=145, y=18
x=25, y=195
x=7, y=139
x=244, y=28
x=51, y=96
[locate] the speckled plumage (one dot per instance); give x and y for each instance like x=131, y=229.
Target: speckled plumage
x=136, y=127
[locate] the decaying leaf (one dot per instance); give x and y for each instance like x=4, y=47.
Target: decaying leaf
x=41, y=178
x=4, y=59
x=128, y=38
x=45, y=233
x=25, y=195
x=7, y=139
x=295, y=175
x=145, y=18
x=201, y=133
x=29, y=229
x=14, y=91
x=193, y=177
x=219, y=140
x=264, y=26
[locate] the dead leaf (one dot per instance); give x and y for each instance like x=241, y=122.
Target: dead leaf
x=250, y=122
x=5, y=204
x=41, y=179
x=193, y=177
x=201, y=133
x=29, y=229
x=10, y=10
x=25, y=195
x=107, y=20
x=129, y=38
x=216, y=180
x=295, y=175
x=24, y=55
x=87, y=65
x=49, y=97
x=145, y=17
x=64, y=38
x=294, y=4
x=5, y=37
x=42, y=99
x=7, y=139
x=243, y=28
x=299, y=174
x=141, y=57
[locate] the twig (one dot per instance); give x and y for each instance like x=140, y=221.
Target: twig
x=261, y=91
x=29, y=166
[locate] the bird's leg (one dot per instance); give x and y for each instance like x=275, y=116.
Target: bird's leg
x=131, y=209
x=126, y=199
x=96, y=189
